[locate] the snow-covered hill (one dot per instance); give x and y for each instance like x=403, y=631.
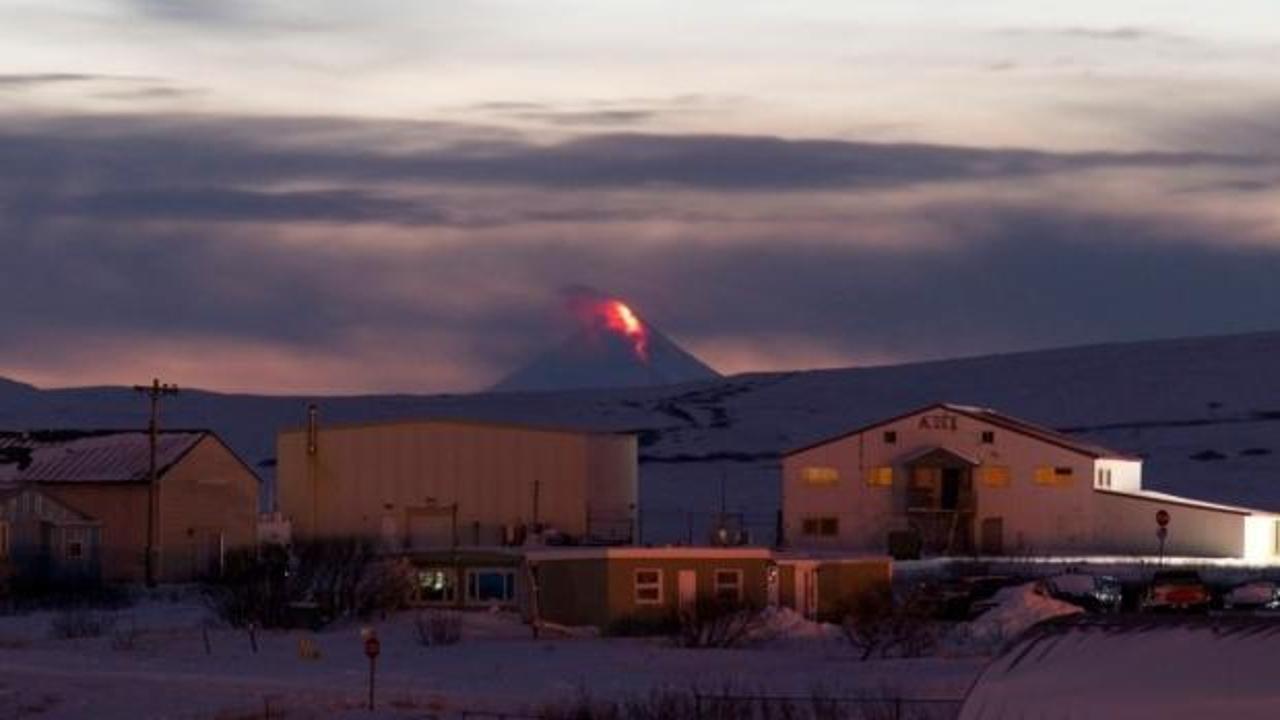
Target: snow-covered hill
x=1205, y=412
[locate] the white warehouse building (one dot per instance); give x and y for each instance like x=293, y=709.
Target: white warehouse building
x=958, y=480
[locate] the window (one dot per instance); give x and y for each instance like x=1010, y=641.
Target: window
x=648, y=587
x=1060, y=476
x=4, y=539
x=75, y=550
x=437, y=585
x=491, y=585
x=1275, y=543
x=988, y=437
x=728, y=585
x=996, y=475
x=881, y=476
x=1104, y=477
x=820, y=526
x=890, y=437
x=820, y=475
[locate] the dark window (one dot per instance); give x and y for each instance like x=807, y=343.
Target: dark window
x=827, y=526
x=1060, y=471
x=890, y=437
x=75, y=550
x=988, y=436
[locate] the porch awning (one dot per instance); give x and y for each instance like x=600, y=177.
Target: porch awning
x=938, y=456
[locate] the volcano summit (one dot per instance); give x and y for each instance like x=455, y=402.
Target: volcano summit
x=612, y=348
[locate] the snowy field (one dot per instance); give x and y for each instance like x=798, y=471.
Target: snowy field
x=154, y=664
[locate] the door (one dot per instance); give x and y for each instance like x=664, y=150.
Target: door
x=687, y=590
x=807, y=590
x=993, y=536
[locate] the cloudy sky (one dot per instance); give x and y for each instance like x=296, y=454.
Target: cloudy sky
x=323, y=196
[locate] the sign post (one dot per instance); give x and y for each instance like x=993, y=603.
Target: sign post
x=372, y=647
x=1162, y=531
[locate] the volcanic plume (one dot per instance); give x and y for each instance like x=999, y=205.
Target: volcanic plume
x=612, y=347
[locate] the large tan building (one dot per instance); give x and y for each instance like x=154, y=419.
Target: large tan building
x=965, y=480
x=424, y=485
x=206, y=498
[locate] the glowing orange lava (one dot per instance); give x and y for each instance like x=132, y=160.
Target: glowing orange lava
x=620, y=318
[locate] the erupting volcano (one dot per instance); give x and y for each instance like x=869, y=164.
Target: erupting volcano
x=612, y=347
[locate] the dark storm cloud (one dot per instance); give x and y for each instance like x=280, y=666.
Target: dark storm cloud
x=106, y=230
x=1011, y=277
x=161, y=152
x=212, y=204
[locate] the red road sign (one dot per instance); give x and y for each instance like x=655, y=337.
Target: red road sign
x=1162, y=518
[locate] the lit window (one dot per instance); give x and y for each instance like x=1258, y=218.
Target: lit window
x=881, y=476
x=436, y=585
x=1046, y=475
x=648, y=587
x=996, y=475
x=728, y=585
x=491, y=586
x=988, y=437
x=890, y=437
x=820, y=475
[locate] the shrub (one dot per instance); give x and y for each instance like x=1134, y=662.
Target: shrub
x=323, y=580
x=718, y=624
x=438, y=627
x=877, y=625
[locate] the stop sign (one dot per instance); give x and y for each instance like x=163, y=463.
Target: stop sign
x=1162, y=518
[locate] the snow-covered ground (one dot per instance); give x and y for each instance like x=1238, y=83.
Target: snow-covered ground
x=154, y=664
x=1177, y=669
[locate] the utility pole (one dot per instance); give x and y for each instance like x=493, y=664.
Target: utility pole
x=155, y=391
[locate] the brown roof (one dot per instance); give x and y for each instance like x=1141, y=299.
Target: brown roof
x=987, y=415
x=45, y=456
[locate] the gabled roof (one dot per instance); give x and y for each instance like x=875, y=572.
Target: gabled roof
x=73, y=456
x=991, y=417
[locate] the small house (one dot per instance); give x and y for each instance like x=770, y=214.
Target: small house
x=46, y=542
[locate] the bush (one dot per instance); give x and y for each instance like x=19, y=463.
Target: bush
x=324, y=579
x=877, y=625
x=77, y=623
x=438, y=627
x=718, y=624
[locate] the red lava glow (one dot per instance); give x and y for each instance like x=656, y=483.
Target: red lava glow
x=620, y=319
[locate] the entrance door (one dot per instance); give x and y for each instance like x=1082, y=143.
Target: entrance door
x=951, y=488
x=807, y=590
x=687, y=590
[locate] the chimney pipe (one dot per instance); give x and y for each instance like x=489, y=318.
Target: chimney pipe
x=313, y=429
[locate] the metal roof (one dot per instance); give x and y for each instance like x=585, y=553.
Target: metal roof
x=987, y=415
x=76, y=456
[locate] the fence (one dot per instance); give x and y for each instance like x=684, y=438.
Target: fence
x=719, y=706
